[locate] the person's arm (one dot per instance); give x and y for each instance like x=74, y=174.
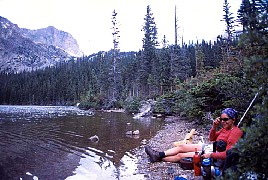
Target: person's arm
x=213, y=133
x=235, y=135
x=218, y=155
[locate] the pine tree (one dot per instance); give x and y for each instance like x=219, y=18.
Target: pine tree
x=244, y=9
x=164, y=70
x=253, y=17
x=116, y=84
x=199, y=57
x=180, y=64
x=176, y=27
x=229, y=21
x=164, y=42
x=149, y=59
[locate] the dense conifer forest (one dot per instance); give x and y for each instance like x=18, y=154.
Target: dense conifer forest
x=91, y=77
x=189, y=79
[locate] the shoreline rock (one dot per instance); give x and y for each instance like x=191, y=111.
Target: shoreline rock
x=174, y=130
x=114, y=110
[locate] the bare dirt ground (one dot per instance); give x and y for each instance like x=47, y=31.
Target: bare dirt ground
x=174, y=130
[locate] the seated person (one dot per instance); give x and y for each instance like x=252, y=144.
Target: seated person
x=229, y=132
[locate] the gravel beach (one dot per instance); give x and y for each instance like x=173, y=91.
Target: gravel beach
x=174, y=130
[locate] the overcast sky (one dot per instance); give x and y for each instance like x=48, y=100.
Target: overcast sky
x=89, y=21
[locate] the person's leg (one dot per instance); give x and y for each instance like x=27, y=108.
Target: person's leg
x=183, y=148
x=173, y=154
x=182, y=151
x=178, y=157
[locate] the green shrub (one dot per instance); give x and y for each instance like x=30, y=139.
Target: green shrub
x=212, y=95
x=87, y=105
x=111, y=104
x=221, y=91
x=165, y=103
x=217, y=93
x=187, y=106
x=132, y=104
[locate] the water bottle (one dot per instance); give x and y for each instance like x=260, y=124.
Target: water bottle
x=217, y=172
x=197, y=165
x=212, y=170
x=206, y=169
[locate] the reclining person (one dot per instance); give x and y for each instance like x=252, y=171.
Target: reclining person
x=229, y=132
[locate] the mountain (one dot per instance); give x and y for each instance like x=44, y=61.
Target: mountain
x=54, y=37
x=23, y=50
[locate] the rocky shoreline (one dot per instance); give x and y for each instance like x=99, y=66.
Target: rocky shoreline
x=174, y=130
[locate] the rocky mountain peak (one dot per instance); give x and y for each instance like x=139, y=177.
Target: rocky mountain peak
x=7, y=29
x=54, y=37
x=27, y=50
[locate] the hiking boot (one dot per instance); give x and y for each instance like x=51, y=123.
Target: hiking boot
x=154, y=155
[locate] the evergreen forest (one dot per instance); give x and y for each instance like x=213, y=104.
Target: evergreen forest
x=189, y=80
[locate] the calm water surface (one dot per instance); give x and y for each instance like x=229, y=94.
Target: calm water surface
x=53, y=142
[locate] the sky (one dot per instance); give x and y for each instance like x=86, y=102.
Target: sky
x=89, y=21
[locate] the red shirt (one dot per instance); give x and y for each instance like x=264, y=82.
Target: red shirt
x=230, y=136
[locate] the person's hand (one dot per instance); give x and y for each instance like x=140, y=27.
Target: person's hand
x=216, y=122
x=207, y=155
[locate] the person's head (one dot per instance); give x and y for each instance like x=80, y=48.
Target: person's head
x=228, y=118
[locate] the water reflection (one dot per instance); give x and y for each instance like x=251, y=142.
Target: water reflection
x=104, y=168
x=54, y=143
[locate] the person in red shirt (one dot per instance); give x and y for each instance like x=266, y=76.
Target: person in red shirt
x=229, y=133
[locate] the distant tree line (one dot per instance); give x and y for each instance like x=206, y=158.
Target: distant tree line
x=90, y=79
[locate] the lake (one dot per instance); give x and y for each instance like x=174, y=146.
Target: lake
x=56, y=142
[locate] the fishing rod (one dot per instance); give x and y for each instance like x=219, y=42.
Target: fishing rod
x=248, y=108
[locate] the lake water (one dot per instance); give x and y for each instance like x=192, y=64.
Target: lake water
x=53, y=142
